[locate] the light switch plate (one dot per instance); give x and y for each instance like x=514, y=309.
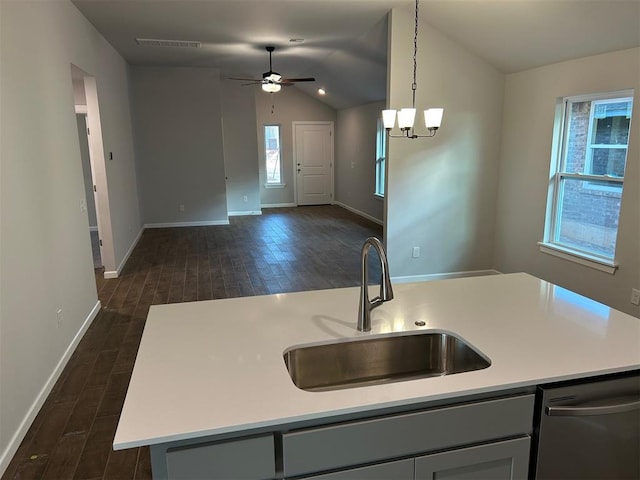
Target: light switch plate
x=635, y=296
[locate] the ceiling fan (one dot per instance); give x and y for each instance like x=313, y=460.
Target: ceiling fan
x=272, y=81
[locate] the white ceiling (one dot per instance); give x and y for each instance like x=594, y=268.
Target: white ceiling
x=345, y=40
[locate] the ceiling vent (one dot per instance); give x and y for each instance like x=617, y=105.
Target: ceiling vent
x=154, y=42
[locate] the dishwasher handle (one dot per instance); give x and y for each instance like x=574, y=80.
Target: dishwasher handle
x=575, y=411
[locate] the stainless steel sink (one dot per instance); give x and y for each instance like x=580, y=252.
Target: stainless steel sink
x=372, y=361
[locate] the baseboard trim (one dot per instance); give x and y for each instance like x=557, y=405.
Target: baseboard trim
x=358, y=212
x=444, y=276
x=187, y=224
x=19, y=435
x=278, y=205
x=244, y=213
x=115, y=274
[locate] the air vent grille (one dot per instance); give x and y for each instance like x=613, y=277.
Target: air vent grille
x=155, y=42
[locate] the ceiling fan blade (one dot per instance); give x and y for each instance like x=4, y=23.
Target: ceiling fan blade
x=293, y=80
x=245, y=79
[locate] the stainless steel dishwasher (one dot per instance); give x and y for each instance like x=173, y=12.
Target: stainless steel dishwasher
x=589, y=430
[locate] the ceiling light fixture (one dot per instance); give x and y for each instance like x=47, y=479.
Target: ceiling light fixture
x=406, y=116
x=322, y=91
x=271, y=87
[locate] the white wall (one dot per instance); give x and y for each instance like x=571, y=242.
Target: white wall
x=529, y=109
x=46, y=262
x=178, y=124
x=356, y=130
x=441, y=192
x=240, y=147
x=289, y=105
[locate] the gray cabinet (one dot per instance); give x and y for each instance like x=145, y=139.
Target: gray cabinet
x=247, y=459
x=374, y=440
x=482, y=439
x=507, y=460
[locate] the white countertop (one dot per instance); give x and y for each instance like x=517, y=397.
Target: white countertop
x=214, y=367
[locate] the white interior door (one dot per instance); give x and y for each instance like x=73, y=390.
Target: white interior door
x=94, y=189
x=313, y=161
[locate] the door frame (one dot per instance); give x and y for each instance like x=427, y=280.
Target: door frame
x=331, y=160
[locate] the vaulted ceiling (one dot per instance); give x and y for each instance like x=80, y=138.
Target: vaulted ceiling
x=345, y=41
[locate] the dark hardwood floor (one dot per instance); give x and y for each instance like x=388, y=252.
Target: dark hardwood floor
x=284, y=250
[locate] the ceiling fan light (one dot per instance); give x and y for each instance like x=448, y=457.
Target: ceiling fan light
x=389, y=118
x=271, y=87
x=273, y=77
x=433, y=118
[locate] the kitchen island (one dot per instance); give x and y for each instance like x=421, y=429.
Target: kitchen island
x=211, y=372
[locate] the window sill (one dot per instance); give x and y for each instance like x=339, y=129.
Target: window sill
x=378, y=196
x=603, y=265
x=275, y=185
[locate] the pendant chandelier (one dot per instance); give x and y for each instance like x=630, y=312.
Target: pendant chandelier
x=406, y=116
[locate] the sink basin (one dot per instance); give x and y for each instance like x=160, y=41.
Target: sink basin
x=377, y=360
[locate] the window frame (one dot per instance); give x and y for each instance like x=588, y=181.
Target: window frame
x=380, y=160
x=558, y=174
x=591, y=146
x=267, y=183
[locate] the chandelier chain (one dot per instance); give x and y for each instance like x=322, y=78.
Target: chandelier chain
x=415, y=55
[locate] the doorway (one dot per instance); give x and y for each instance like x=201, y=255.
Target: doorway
x=313, y=162
x=96, y=202
x=87, y=173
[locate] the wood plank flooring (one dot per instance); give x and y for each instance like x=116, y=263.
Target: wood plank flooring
x=284, y=250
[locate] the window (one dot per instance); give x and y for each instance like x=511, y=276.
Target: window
x=381, y=154
x=273, y=154
x=587, y=177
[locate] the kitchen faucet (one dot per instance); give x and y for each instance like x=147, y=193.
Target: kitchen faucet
x=386, y=292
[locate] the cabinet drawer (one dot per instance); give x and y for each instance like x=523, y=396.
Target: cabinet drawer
x=251, y=458
x=338, y=446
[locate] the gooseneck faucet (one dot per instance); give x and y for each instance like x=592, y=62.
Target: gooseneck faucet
x=386, y=292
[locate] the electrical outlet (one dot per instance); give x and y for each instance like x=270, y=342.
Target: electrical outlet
x=635, y=296
x=182, y=208
x=415, y=252
x=245, y=198
x=59, y=317
x=83, y=205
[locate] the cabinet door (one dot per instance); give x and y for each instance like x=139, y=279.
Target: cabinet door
x=249, y=458
x=398, y=470
x=507, y=460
